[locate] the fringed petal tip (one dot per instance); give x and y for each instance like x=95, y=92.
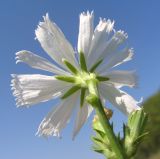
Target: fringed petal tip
x=105, y=24
x=45, y=24
x=33, y=89
x=131, y=104
x=120, y=36
x=17, y=58
x=110, y=25
x=45, y=17
x=125, y=56
x=40, y=25
x=140, y=101
x=57, y=118
x=20, y=56
x=46, y=21
x=17, y=91
x=130, y=55
x=88, y=14
x=46, y=129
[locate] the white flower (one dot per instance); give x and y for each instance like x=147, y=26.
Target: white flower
x=100, y=50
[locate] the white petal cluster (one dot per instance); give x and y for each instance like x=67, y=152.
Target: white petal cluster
x=102, y=43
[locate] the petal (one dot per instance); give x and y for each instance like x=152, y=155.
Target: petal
x=101, y=35
x=83, y=114
x=54, y=42
x=85, y=32
x=32, y=89
x=111, y=48
x=38, y=62
x=113, y=44
x=122, y=78
x=118, y=98
x=58, y=118
x=116, y=59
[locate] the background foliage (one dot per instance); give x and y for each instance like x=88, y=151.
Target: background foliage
x=150, y=148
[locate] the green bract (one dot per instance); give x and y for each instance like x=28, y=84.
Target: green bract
x=81, y=78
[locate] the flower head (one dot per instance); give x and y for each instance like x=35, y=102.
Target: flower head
x=99, y=50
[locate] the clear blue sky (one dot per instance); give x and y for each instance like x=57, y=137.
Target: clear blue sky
x=18, y=20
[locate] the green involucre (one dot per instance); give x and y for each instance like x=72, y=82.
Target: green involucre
x=70, y=66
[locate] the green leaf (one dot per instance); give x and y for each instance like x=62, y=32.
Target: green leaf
x=93, y=68
x=69, y=79
x=119, y=136
x=100, y=133
x=95, y=139
x=137, y=121
x=141, y=137
x=97, y=149
x=97, y=126
x=99, y=143
x=70, y=66
x=134, y=132
x=82, y=98
x=102, y=78
x=70, y=91
x=83, y=62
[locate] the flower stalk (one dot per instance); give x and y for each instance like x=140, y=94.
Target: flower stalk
x=95, y=101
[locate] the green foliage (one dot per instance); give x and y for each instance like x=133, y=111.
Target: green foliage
x=133, y=134
x=151, y=145
x=101, y=141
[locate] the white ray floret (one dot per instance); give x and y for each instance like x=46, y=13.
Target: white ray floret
x=33, y=89
x=85, y=32
x=57, y=119
x=82, y=115
x=118, y=98
x=116, y=59
x=122, y=78
x=100, y=37
x=54, y=42
x=38, y=62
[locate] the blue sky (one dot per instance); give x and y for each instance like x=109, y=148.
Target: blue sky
x=18, y=20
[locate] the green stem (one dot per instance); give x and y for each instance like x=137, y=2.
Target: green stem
x=95, y=101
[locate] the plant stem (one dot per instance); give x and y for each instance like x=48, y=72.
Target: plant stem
x=95, y=101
